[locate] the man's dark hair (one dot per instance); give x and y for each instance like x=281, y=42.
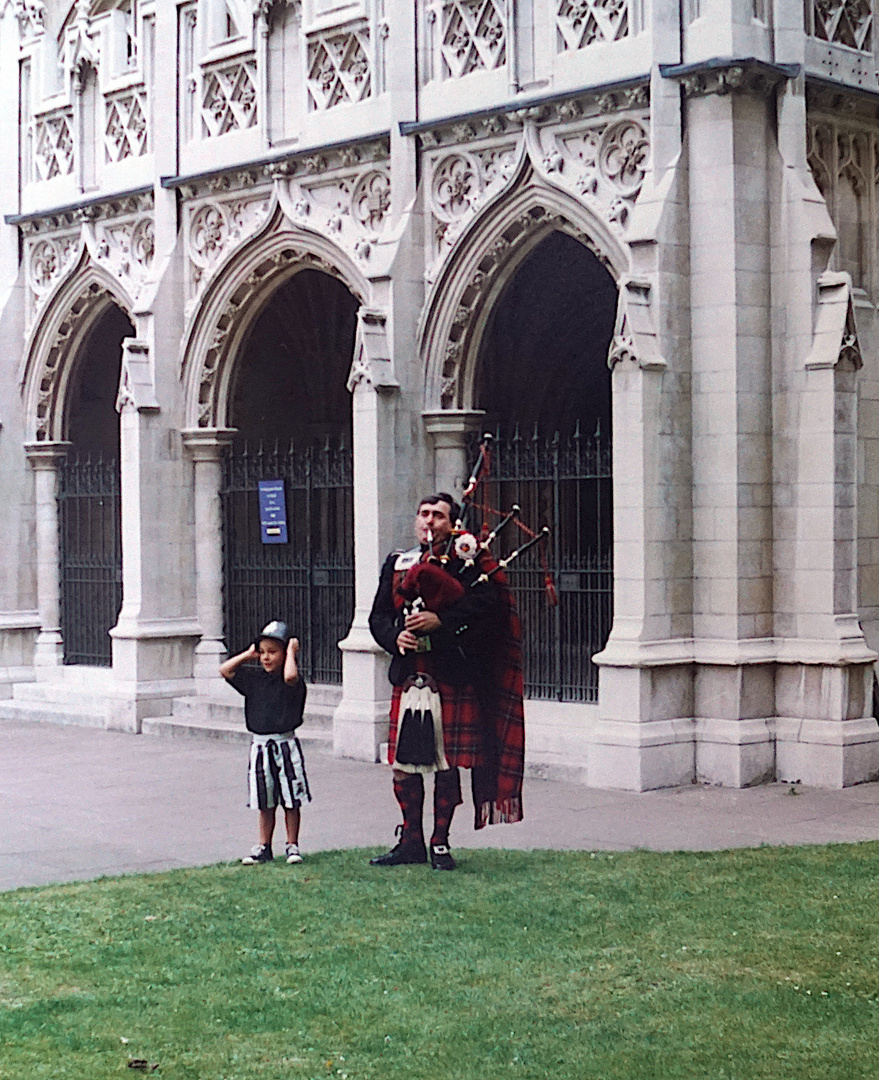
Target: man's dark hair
x=443, y=496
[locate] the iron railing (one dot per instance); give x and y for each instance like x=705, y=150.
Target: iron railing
x=563, y=481
x=90, y=527
x=309, y=581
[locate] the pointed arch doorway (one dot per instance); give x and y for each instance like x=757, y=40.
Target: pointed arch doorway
x=89, y=496
x=543, y=381
x=292, y=411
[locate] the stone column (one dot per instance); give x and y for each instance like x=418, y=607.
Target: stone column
x=205, y=446
x=731, y=177
x=360, y=721
x=448, y=430
x=45, y=458
x=152, y=649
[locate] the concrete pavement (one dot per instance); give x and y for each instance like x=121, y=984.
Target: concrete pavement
x=78, y=803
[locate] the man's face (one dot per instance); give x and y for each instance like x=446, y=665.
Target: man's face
x=434, y=518
x=271, y=655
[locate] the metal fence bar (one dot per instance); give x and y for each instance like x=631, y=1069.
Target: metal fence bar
x=564, y=481
x=89, y=518
x=309, y=582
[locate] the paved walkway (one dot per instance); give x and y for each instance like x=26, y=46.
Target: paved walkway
x=78, y=803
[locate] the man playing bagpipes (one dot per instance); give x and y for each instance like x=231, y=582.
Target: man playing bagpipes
x=444, y=612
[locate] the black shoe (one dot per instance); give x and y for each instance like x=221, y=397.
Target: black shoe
x=441, y=857
x=262, y=853
x=402, y=854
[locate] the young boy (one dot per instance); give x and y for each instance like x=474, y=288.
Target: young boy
x=274, y=700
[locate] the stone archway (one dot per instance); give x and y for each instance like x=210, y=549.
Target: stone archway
x=89, y=493
x=543, y=385
x=289, y=404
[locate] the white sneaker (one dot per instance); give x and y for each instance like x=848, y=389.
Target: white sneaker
x=292, y=853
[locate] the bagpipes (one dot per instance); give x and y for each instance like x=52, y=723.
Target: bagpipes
x=430, y=586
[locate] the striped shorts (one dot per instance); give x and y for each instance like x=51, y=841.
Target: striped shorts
x=276, y=776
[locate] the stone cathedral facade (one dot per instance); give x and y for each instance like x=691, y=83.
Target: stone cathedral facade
x=329, y=242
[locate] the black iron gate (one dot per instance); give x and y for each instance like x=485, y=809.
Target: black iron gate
x=309, y=581
x=90, y=527
x=563, y=481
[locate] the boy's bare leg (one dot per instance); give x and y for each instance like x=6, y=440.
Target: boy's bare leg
x=266, y=825
x=291, y=820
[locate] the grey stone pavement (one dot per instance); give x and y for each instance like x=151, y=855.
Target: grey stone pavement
x=78, y=803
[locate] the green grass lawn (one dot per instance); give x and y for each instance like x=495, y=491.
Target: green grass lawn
x=565, y=965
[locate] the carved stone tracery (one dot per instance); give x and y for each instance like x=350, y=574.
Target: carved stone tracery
x=601, y=160
x=580, y=23
x=278, y=264
x=499, y=255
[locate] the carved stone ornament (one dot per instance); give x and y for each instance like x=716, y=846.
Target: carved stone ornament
x=58, y=354
x=371, y=201
x=216, y=228
x=635, y=340
x=241, y=301
x=136, y=384
x=835, y=341
x=498, y=255
x=747, y=76
x=31, y=15
x=372, y=357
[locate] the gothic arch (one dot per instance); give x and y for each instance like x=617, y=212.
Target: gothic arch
x=69, y=312
x=238, y=291
x=484, y=258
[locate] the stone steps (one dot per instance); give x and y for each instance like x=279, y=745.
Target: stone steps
x=198, y=717
x=78, y=713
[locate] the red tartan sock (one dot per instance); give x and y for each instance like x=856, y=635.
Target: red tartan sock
x=446, y=796
x=409, y=791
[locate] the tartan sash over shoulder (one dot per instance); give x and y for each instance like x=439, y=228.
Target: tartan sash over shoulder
x=497, y=786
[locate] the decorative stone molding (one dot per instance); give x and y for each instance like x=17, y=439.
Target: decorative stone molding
x=117, y=232
x=635, y=340
x=722, y=76
x=236, y=292
x=372, y=355
x=580, y=23
x=31, y=15
x=343, y=192
x=601, y=161
x=126, y=129
x=600, y=102
x=466, y=36
x=842, y=22
x=215, y=227
x=53, y=144
x=501, y=253
x=835, y=339
x=50, y=361
x=339, y=66
x=136, y=385
x=228, y=97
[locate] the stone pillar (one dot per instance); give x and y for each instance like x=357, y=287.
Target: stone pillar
x=730, y=303
x=45, y=457
x=448, y=430
x=825, y=731
x=205, y=446
x=152, y=650
x=360, y=721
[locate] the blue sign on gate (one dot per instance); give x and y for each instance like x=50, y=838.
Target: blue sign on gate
x=272, y=512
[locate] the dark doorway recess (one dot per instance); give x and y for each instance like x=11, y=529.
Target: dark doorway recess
x=89, y=497
x=292, y=410
x=544, y=383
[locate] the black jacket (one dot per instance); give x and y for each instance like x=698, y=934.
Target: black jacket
x=461, y=648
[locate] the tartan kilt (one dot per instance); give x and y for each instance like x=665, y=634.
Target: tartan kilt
x=462, y=729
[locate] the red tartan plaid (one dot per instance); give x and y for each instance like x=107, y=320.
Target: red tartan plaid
x=462, y=732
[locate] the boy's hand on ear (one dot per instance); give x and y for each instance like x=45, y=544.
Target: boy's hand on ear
x=253, y=651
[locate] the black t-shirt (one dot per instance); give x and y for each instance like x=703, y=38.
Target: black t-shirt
x=271, y=706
